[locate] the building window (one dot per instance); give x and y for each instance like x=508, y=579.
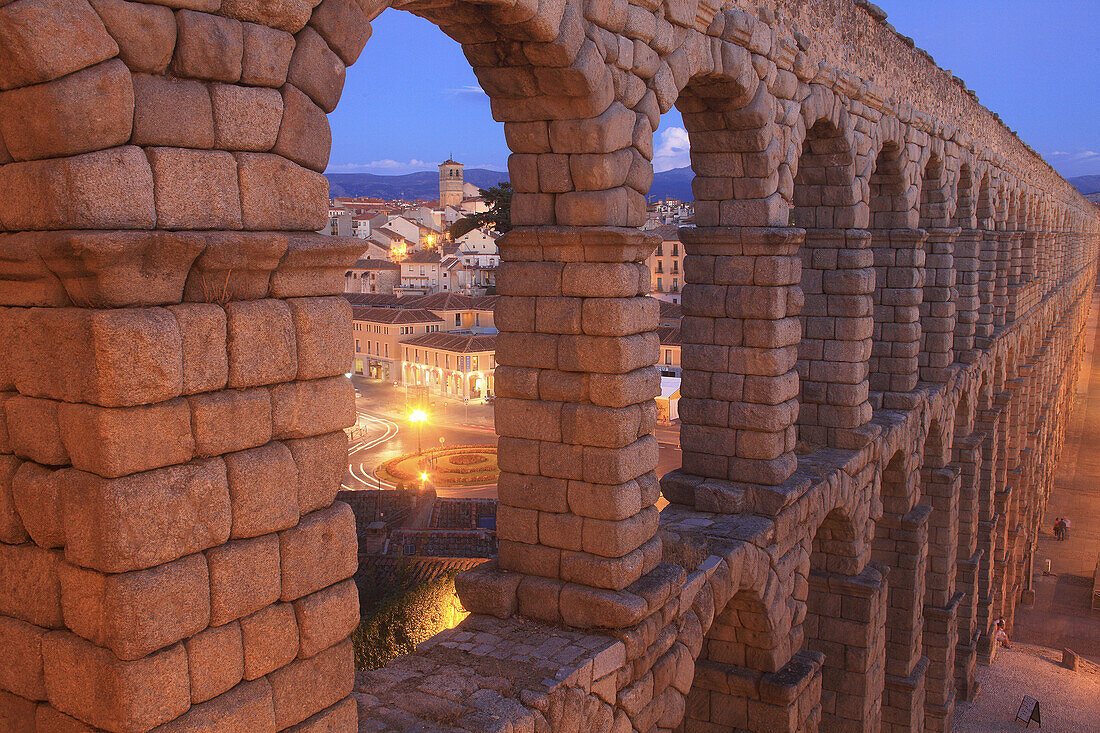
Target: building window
x=357, y=346
x=387, y=351
x=475, y=363
x=458, y=319
x=668, y=356
x=675, y=284
x=660, y=287
x=477, y=319
x=676, y=250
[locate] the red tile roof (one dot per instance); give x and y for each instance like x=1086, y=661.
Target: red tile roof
x=374, y=314
x=459, y=342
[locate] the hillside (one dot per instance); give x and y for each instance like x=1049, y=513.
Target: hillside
x=1086, y=184
x=424, y=185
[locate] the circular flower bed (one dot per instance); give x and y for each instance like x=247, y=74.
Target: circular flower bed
x=467, y=459
x=464, y=465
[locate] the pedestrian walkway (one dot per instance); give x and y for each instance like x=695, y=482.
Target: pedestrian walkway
x=1062, y=615
x=1069, y=701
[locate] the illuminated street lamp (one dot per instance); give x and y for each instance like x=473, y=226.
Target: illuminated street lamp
x=418, y=417
x=423, y=480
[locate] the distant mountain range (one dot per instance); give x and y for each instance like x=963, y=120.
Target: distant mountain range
x=1086, y=184
x=424, y=185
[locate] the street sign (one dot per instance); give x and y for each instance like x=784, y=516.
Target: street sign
x=1029, y=711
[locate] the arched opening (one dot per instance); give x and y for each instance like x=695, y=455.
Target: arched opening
x=940, y=488
x=836, y=284
x=939, y=298
x=934, y=199
x=746, y=654
x=846, y=613
x=965, y=209
x=967, y=455
x=899, y=279
x=901, y=544
x=987, y=271
x=739, y=333
x=1003, y=261
x=967, y=261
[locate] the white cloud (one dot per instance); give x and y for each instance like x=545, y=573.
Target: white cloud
x=1072, y=163
x=467, y=90
x=385, y=166
x=673, y=149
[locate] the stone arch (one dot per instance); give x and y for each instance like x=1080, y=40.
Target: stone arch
x=965, y=198
x=835, y=268
x=841, y=544
x=728, y=116
x=901, y=544
x=939, y=303
x=899, y=279
x=985, y=205
x=846, y=618
x=964, y=413
x=890, y=199
x=741, y=290
x=940, y=494
x=934, y=194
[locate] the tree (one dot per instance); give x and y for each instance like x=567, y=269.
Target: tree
x=498, y=217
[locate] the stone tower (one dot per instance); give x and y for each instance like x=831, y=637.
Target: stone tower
x=450, y=183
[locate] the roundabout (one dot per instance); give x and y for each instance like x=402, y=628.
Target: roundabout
x=463, y=466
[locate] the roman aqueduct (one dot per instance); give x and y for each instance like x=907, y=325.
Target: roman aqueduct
x=883, y=320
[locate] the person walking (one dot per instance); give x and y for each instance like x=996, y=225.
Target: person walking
x=1059, y=529
x=1065, y=527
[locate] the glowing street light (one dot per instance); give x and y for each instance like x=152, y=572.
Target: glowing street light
x=418, y=418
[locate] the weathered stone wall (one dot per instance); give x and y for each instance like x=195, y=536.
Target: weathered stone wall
x=885, y=298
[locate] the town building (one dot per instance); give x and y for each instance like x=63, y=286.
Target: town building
x=450, y=183
x=393, y=242
x=420, y=273
x=370, y=275
x=666, y=265
x=458, y=365
x=671, y=314
x=669, y=362
x=461, y=312
x=377, y=333
x=671, y=212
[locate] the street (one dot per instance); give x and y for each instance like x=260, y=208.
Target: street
x=383, y=410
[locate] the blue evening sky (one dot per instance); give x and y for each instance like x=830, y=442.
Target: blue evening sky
x=412, y=100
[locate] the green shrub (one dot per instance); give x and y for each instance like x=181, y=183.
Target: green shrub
x=393, y=624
